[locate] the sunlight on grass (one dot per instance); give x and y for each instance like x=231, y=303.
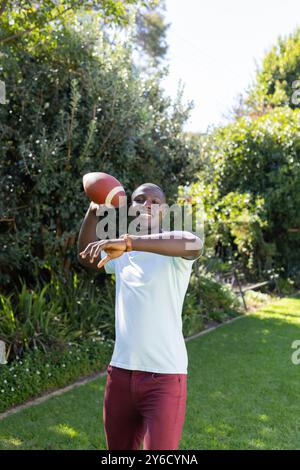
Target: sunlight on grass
x=266, y=432
x=256, y=443
x=242, y=375
x=263, y=418
x=243, y=393
x=287, y=310
x=66, y=430
x=210, y=429
x=11, y=442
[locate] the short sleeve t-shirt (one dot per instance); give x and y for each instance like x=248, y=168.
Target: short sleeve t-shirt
x=150, y=290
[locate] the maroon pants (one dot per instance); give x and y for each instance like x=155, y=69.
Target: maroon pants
x=143, y=408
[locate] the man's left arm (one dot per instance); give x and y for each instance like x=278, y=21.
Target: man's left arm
x=187, y=246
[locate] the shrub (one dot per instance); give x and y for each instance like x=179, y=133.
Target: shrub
x=251, y=192
x=49, y=317
x=206, y=300
x=255, y=299
x=192, y=321
x=285, y=286
x=29, y=322
x=35, y=373
x=76, y=103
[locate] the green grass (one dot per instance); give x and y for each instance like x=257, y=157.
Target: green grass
x=243, y=393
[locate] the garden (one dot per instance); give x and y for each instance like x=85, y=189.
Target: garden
x=83, y=92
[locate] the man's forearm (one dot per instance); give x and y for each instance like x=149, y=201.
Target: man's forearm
x=168, y=246
x=87, y=235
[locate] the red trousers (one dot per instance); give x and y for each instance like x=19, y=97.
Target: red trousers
x=143, y=408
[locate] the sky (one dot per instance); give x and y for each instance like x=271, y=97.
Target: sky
x=215, y=47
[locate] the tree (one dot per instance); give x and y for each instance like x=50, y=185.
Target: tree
x=20, y=18
x=257, y=163
x=77, y=104
x=255, y=160
x=151, y=32
x=278, y=77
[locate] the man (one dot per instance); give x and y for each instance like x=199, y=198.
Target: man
x=146, y=387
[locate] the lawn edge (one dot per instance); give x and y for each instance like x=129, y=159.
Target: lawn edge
x=215, y=327
x=54, y=393
x=92, y=377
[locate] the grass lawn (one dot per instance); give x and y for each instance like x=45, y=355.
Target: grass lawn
x=243, y=393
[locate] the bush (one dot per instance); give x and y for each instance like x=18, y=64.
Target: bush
x=217, y=301
x=279, y=70
x=75, y=104
x=255, y=299
x=86, y=305
x=192, y=321
x=35, y=373
x=251, y=192
x=66, y=309
x=31, y=323
x=285, y=286
x=206, y=300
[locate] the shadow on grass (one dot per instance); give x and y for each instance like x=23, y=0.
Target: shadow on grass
x=243, y=393
x=70, y=421
x=243, y=388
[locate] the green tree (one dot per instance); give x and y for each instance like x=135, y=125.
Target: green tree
x=276, y=79
x=23, y=18
x=74, y=105
x=151, y=32
x=258, y=159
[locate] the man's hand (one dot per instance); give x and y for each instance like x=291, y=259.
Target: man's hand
x=93, y=207
x=113, y=248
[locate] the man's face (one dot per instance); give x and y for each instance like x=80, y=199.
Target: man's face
x=148, y=200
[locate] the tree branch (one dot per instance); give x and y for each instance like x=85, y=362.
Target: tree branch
x=3, y=6
x=28, y=30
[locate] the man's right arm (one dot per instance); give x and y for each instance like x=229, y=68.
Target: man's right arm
x=88, y=235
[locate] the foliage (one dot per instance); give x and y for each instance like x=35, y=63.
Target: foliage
x=255, y=299
x=216, y=300
x=243, y=394
x=207, y=300
x=77, y=104
x=61, y=311
x=87, y=307
x=276, y=79
x=250, y=191
x=35, y=20
x=250, y=179
x=151, y=31
x=32, y=323
x=285, y=286
x=192, y=321
x=233, y=224
x=36, y=372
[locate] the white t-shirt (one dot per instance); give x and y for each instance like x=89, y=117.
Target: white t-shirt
x=150, y=290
